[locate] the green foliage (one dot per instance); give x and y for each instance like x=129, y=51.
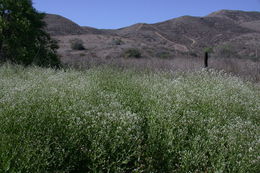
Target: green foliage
x=132, y=53
x=208, y=50
x=105, y=120
x=226, y=51
x=163, y=54
x=22, y=38
x=82, y=54
x=117, y=42
x=77, y=44
x=192, y=53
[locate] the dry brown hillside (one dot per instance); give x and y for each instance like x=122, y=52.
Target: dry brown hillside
x=231, y=34
x=58, y=25
x=181, y=36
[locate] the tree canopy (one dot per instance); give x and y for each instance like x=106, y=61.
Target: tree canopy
x=22, y=36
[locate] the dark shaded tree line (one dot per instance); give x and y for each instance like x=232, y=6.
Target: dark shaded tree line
x=22, y=36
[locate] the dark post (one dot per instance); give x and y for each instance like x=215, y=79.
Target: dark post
x=206, y=57
x=1, y=51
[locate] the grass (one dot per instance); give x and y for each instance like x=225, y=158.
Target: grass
x=245, y=68
x=110, y=120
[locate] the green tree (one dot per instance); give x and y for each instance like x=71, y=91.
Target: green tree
x=22, y=36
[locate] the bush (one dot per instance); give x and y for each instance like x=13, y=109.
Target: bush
x=163, y=54
x=117, y=42
x=82, y=54
x=194, y=54
x=226, y=51
x=77, y=44
x=132, y=53
x=208, y=50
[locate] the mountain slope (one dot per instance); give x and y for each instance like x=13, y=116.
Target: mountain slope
x=179, y=37
x=58, y=25
x=236, y=15
x=254, y=25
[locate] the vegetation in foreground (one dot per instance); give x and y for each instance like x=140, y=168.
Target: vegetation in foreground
x=108, y=120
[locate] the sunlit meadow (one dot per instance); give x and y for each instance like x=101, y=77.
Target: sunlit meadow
x=111, y=120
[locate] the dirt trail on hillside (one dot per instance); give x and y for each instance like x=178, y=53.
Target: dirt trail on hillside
x=191, y=39
x=176, y=45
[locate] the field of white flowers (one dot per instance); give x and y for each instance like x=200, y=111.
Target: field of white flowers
x=110, y=120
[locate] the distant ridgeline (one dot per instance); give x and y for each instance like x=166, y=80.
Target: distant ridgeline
x=234, y=34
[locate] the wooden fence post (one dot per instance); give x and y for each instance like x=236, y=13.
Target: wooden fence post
x=206, y=57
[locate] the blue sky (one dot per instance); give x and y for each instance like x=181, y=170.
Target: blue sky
x=111, y=14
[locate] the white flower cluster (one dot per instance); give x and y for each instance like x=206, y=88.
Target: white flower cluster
x=119, y=121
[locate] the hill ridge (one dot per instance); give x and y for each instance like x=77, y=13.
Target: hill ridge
x=179, y=36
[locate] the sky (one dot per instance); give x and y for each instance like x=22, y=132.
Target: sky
x=113, y=14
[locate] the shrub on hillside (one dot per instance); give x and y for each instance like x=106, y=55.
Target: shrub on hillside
x=132, y=53
x=209, y=50
x=226, y=51
x=117, y=42
x=193, y=54
x=77, y=44
x=163, y=54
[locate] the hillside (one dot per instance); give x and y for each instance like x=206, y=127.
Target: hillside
x=254, y=25
x=185, y=36
x=58, y=25
x=236, y=16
